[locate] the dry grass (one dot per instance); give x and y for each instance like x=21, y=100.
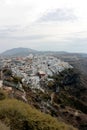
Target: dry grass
x=21, y=116
x=3, y=126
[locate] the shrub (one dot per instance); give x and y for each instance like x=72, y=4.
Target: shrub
x=3, y=126
x=2, y=95
x=21, y=116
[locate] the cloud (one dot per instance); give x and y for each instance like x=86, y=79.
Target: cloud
x=58, y=15
x=43, y=25
x=29, y=37
x=70, y=44
x=7, y=35
x=7, y=29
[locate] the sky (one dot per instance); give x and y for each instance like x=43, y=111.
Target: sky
x=47, y=25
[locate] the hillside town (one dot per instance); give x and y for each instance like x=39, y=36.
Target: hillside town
x=33, y=68
x=45, y=82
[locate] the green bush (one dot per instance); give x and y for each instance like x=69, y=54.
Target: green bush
x=2, y=95
x=7, y=72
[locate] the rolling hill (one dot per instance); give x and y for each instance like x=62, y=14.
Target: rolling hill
x=18, y=52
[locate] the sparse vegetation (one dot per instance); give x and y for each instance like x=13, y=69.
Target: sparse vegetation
x=7, y=72
x=3, y=126
x=3, y=95
x=20, y=116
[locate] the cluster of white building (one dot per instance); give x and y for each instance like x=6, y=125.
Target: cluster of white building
x=35, y=68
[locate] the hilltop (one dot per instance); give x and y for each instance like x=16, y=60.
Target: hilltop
x=18, y=52
x=26, y=51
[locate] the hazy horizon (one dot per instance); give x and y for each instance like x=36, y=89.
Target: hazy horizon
x=44, y=25
x=42, y=50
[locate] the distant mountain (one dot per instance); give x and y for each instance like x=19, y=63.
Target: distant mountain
x=26, y=51
x=53, y=52
x=18, y=52
x=84, y=55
